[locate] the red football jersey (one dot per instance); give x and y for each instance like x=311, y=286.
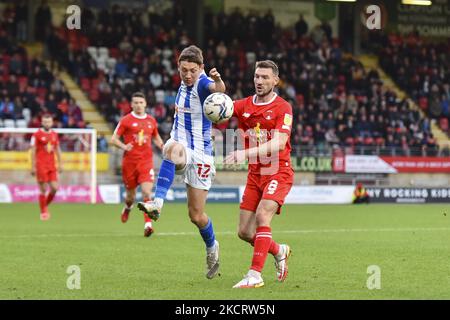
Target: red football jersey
x=257, y=122
x=46, y=143
x=139, y=131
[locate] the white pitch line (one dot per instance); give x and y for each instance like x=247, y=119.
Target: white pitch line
x=93, y=235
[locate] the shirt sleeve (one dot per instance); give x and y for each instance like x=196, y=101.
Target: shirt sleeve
x=203, y=88
x=119, y=129
x=33, y=140
x=284, y=119
x=155, y=130
x=238, y=107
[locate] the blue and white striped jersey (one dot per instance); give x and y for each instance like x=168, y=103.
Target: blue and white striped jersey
x=191, y=127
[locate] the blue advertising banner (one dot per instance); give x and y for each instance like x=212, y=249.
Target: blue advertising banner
x=179, y=194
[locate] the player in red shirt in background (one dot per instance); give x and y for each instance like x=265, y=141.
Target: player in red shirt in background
x=266, y=121
x=44, y=148
x=138, y=129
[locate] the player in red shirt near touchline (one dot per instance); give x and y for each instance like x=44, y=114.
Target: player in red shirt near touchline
x=138, y=129
x=44, y=147
x=266, y=120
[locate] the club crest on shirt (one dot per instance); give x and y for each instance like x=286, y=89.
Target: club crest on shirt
x=268, y=115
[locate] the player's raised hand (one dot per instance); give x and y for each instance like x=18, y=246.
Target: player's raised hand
x=214, y=74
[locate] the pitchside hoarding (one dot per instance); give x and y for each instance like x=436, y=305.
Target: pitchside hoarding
x=409, y=195
x=377, y=164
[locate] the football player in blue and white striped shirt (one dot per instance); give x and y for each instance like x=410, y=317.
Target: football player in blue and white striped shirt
x=188, y=152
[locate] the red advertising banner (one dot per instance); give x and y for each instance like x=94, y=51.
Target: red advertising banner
x=419, y=164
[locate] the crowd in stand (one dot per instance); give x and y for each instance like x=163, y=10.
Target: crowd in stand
x=337, y=104
x=423, y=70
x=28, y=88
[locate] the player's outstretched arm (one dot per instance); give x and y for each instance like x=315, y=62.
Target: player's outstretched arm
x=218, y=85
x=276, y=144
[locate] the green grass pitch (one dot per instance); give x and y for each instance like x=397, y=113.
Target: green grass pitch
x=333, y=246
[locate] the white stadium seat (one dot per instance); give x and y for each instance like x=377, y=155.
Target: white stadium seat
x=9, y=123
x=21, y=123
x=93, y=52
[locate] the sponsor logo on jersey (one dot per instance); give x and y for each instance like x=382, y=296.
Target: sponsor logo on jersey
x=287, y=119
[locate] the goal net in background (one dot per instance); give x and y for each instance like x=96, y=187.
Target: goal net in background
x=78, y=181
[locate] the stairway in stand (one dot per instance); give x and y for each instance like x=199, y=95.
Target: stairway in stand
x=371, y=62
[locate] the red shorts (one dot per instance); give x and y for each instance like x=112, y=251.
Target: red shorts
x=275, y=187
x=46, y=174
x=133, y=174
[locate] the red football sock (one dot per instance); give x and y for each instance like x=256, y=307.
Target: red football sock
x=146, y=217
x=50, y=197
x=43, y=202
x=273, y=249
x=263, y=239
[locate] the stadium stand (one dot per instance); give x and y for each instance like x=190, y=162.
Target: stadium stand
x=337, y=103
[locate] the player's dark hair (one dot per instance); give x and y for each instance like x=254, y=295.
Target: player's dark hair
x=46, y=115
x=191, y=54
x=138, y=95
x=268, y=64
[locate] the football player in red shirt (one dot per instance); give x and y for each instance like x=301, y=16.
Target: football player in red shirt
x=265, y=119
x=138, y=129
x=44, y=148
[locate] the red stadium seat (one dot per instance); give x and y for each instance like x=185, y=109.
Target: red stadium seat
x=42, y=92
x=85, y=83
x=23, y=82
x=94, y=95
x=443, y=124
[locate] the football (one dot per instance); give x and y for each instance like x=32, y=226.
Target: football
x=218, y=107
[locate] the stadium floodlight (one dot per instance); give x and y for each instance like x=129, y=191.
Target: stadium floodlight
x=82, y=140
x=417, y=2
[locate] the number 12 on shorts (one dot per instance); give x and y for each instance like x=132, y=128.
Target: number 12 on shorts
x=203, y=170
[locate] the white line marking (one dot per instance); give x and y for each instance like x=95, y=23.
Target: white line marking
x=96, y=235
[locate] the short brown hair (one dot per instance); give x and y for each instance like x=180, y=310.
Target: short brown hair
x=46, y=115
x=268, y=64
x=191, y=54
x=138, y=95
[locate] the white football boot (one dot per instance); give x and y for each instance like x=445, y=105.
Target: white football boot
x=212, y=261
x=281, y=262
x=252, y=279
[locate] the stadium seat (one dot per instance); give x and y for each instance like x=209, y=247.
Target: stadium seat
x=9, y=123
x=443, y=124
x=111, y=63
x=23, y=82
x=26, y=113
x=103, y=52
x=114, y=53
x=93, y=52
x=101, y=62
x=251, y=58
x=21, y=123
x=94, y=95
x=85, y=83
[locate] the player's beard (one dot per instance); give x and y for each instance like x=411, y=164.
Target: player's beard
x=265, y=93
